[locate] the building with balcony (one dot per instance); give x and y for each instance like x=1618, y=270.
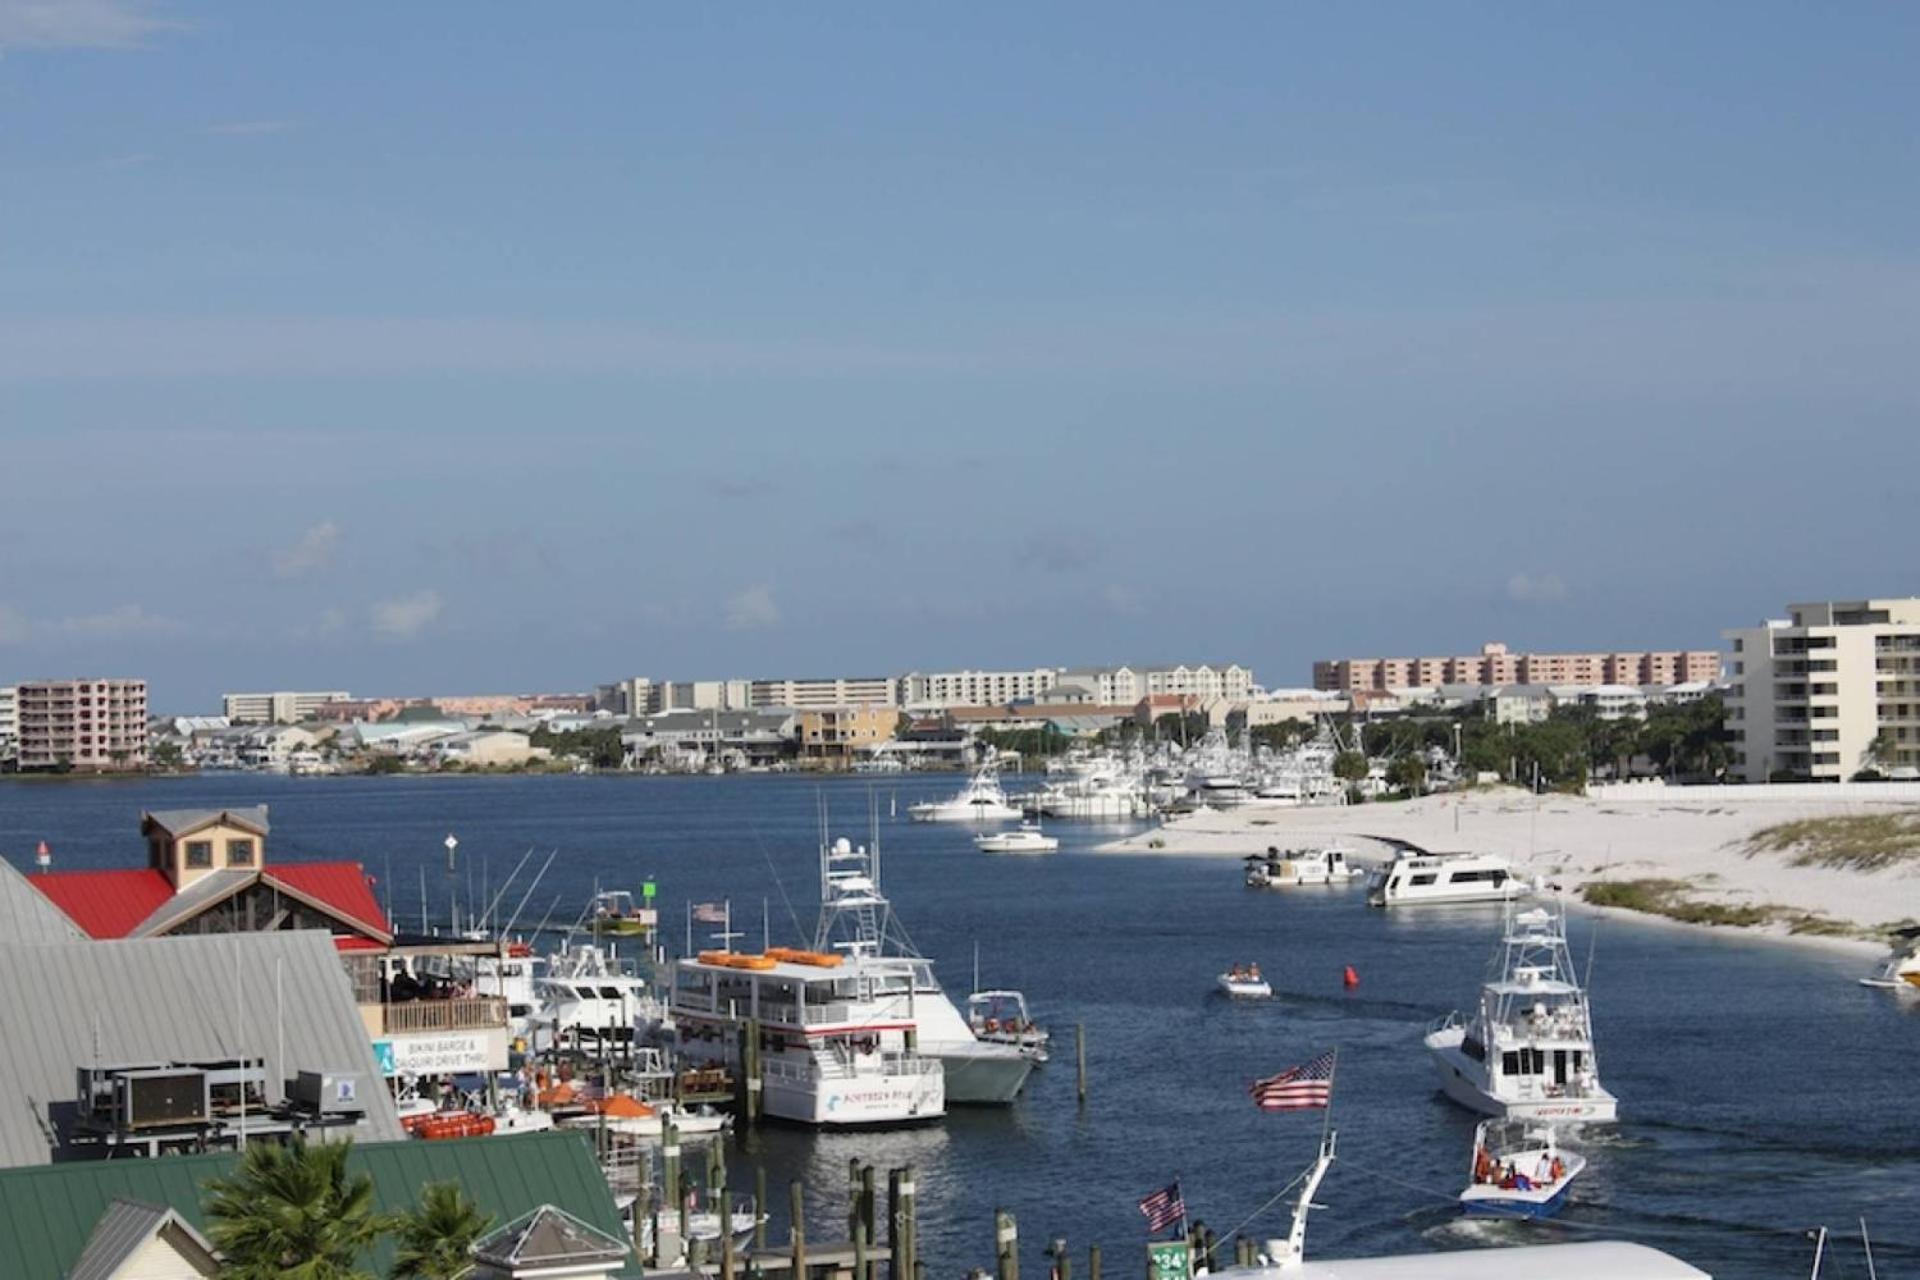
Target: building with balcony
x=831, y=735
x=1495, y=665
x=9, y=721
x=277, y=708
x=1827, y=692
x=822, y=694
x=932, y=691
x=94, y=723
x=1209, y=683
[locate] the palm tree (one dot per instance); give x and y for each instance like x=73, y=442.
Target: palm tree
x=436, y=1239
x=294, y=1212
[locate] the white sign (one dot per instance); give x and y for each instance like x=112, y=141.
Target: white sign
x=442, y=1053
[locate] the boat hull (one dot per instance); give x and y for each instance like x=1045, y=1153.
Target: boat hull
x=1242, y=990
x=1491, y=1202
x=1461, y=1079
x=982, y=1074
x=867, y=1101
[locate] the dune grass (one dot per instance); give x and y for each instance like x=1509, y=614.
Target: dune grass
x=1854, y=842
x=1670, y=898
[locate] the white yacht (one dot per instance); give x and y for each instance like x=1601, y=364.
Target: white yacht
x=1028, y=838
x=1520, y=1170
x=590, y=992
x=1283, y=869
x=857, y=921
x=1528, y=1050
x=1102, y=787
x=514, y=978
x=1413, y=878
x=981, y=800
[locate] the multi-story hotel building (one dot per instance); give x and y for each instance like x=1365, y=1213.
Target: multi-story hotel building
x=277, y=708
x=844, y=691
x=9, y=720
x=91, y=723
x=1110, y=686
x=1830, y=690
x=931, y=691
x=1495, y=665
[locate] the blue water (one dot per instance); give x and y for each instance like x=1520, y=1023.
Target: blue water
x=1763, y=1092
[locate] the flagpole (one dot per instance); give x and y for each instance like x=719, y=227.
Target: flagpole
x=1326, y=1124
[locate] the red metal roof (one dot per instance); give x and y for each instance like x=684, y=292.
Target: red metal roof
x=342, y=886
x=106, y=904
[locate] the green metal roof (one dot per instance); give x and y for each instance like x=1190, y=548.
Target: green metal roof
x=47, y=1212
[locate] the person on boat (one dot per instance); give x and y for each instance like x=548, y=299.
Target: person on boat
x=1482, y=1165
x=1506, y=1176
x=1253, y=972
x=1558, y=1168
x=1543, y=1172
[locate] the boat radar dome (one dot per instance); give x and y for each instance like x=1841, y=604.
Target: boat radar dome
x=843, y=845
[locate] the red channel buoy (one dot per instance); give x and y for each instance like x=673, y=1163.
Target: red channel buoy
x=1350, y=979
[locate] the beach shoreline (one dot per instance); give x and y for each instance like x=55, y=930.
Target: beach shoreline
x=1695, y=837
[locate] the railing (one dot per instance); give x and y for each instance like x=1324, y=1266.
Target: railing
x=472, y=1013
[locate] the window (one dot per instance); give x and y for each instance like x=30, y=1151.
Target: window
x=199, y=853
x=1425, y=879
x=239, y=853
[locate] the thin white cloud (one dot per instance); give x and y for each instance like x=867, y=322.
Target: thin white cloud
x=405, y=617
x=13, y=626
x=1545, y=588
x=1123, y=600
x=312, y=552
x=247, y=128
x=79, y=24
x=752, y=609
x=126, y=620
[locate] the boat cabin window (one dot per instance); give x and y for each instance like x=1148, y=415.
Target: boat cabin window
x=1423, y=879
x=610, y=993
x=1468, y=877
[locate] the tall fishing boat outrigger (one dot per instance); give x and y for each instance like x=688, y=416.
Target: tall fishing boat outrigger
x=1528, y=1049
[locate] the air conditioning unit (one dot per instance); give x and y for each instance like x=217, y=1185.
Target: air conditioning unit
x=160, y=1098
x=331, y=1093
x=235, y=1084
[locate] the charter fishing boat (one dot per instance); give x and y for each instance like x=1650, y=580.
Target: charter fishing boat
x=1243, y=982
x=1027, y=838
x=981, y=800
x=1283, y=869
x=1528, y=1050
x=590, y=993
x=1902, y=971
x=1414, y=878
x=1519, y=1170
x=613, y=912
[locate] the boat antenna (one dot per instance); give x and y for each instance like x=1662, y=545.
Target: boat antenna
x=1868, y=1246
x=494, y=906
x=508, y=928
x=1593, y=944
x=1819, y=1251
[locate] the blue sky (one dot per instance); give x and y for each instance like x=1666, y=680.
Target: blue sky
x=459, y=348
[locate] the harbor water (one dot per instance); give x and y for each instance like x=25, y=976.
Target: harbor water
x=1763, y=1092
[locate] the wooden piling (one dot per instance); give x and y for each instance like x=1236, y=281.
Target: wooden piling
x=1080, y=1057
x=860, y=1259
x=1063, y=1262
x=760, y=1206
x=896, y=1230
x=908, y=1199
x=869, y=1211
x=726, y=1247
x=1093, y=1262
x=797, y=1230
x=1006, y=1244
x=675, y=1177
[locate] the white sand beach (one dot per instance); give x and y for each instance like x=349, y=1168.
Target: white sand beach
x=1696, y=835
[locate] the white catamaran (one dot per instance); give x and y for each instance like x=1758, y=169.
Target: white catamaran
x=1528, y=1050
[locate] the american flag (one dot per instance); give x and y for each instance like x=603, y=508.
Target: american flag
x=710, y=912
x=1164, y=1208
x=1299, y=1088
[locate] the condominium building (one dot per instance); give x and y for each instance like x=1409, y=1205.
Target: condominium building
x=277, y=708
x=91, y=723
x=9, y=720
x=1496, y=665
x=1228, y=682
x=1830, y=690
x=854, y=691
x=934, y=690
x=834, y=734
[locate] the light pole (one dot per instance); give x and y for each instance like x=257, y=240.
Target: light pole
x=451, y=844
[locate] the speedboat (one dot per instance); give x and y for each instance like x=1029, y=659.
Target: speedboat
x=1413, y=878
x=613, y=912
x=1902, y=971
x=1243, y=982
x=1027, y=838
x=981, y=800
x=626, y=1115
x=1528, y=1050
x=1519, y=1170
x=1277, y=869
x=1000, y=1017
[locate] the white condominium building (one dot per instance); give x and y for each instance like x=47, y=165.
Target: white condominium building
x=1827, y=692
x=1116, y=686
x=277, y=708
x=931, y=691
x=801, y=695
x=9, y=720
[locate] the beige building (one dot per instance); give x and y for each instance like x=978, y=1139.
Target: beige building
x=1228, y=682
x=1496, y=665
x=1832, y=689
x=843, y=691
x=94, y=723
x=933, y=690
x=277, y=708
x=834, y=734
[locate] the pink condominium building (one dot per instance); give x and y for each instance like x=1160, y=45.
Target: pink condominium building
x=1494, y=665
x=90, y=723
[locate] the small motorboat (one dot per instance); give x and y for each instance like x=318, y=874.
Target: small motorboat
x=1519, y=1170
x=614, y=912
x=1026, y=838
x=626, y=1115
x=1285, y=868
x=1902, y=972
x=1243, y=982
x=1000, y=1017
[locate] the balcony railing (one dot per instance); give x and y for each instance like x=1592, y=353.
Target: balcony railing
x=473, y=1013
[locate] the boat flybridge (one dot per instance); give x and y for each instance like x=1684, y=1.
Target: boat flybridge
x=590, y=992
x=1528, y=1050
x=1285, y=1259
x=1414, y=877
x=981, y=800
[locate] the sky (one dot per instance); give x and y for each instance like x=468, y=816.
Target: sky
x=461, y=348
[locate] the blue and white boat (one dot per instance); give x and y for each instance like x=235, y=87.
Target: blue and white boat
x=1519, y=1171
